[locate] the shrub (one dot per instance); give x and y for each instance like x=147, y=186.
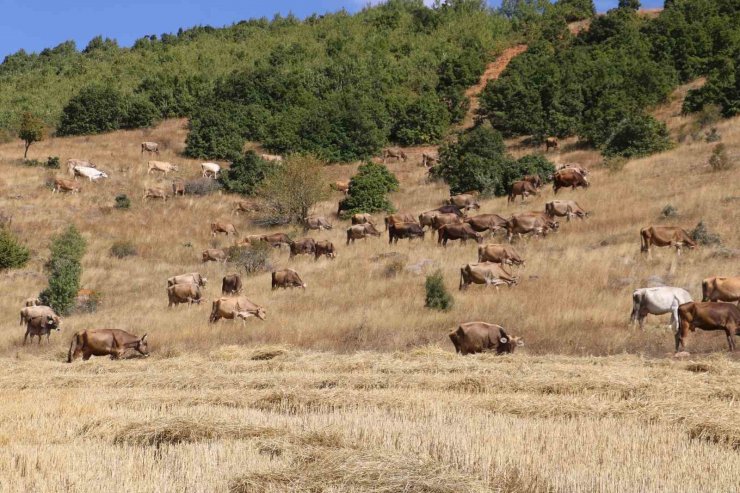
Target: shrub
x=122, y=201
x=65, y=271
x=368, y=189
x=30, y=131
x=629, y=4
x=703, y=236
x=614, y=163
x=422, y=122
x=713, y=135
x=294, y=187
x=202, y=186
x=245, y=174
x=576, y=10
x=437, y=296
x=394, y=267
x=719, y=161
x=123, y=249
x=52, y=162
x=138, y=112
x=13, y=255
x=668, y=212
x=253, y=259
x=637, y=136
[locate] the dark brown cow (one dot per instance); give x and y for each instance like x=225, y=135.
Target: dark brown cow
x=487, y=222
x=304, y=246
x=721, y=289
x=398, y=219
x=361, y=231
x=178, y=188
x=487, y=273
x=287, y=278
x=523, y=188
x=362, y=219
x=568, y=178
x=665, y=236
x=462, y=232
x=565, y=208
x=708, y=316
x=105, y=342
x=324, y=248
x=537, y=223
x=551, y=142
x=226, y=228
x=183, y=293
x=231, y=284
x=213, y=255
x=500, y=254
x=276, y=239
x=478, y=337
x=40, y=326
x=396, y=154
x=535, y=180
x=404, y=230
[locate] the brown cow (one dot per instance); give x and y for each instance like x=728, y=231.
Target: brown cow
x=246, y=206
x=442, y=219
x=361, y=231
x=324, y=248
x=304, y=246
x=183, y=293
x=178, y=188
x=287, y=278
x=462, y=232
x=226, y=228
x=398, y=218
x=62, y=185
x=708, y=316
x=535, y=180
x=249, y=240
x=500, y=254
x=231, y=284
x=213, y=255
x=576, y=167
x=551, y=142
x=404, y=230
x=362, y=219
x=340, y=186
x=155, y=193
x=665, y=236
x=233, y=308
x=428, y=160
x=488, y=273
x=162, y=167
x=316, y=223
x=190, y=278
x=523, y=188
x=105, y=342
x=40, y=326
x=565, y=208
x=276, y=239
x=487, y=222
x=464, y=201
x=478, y=337
x=30, y=312
x=536, y=223
x=721, y=289
x=568, y=178
x=396, y=154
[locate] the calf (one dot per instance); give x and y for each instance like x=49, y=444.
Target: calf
x=225, y=228
x=62, y=185
x=213, y=255
x=523, y=188
x=155, y=193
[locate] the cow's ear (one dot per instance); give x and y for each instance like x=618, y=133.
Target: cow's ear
x=143, y=338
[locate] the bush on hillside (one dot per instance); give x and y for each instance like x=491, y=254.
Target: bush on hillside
x=253, y=259
x=202, y=186
x=30, y=131
x=437, y=297
x=368, y=190
x=719, y=161
x=423, y=122
x=703, y=236
x=637, y=136
x=123, y=249
x=139, y=112
x=65, y=271
x=94, y=109
x=122, y=201
x=245, y=174
x=294, y=187
x=13, y=255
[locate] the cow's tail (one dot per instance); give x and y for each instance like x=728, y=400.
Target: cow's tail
x=462, y=278
x=643, y=240
x=274, y=280
x=74, y=345
x=214, y=311
x=23, y=318
x=705, y=290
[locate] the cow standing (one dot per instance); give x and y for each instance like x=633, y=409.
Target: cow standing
x=487, y=273
x=523, y=188
x=231, y=284
x=40, y=326
x=487, y=222
x=361, y=231
x=398, y=231
x=657, y=301
x=721, y=289
x=287, y=278
x=665, y=236
x=708, y=316
x=105, y=342
x=568, y=178
x=149, y=147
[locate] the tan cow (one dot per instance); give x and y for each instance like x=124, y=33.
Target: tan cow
x=708, y=316
x=304, y=246
x=150, y=147
x=276, y=239
x=488, y=273
x=664, y=236
x=162, y=167
x=62, y=185
x=487, y=222
x=442, y=219
x=363, y=218
x=178, y=188
x=190, y=278
x=324, y=248
x=155, y=193
x=183, y=293
x=461, y=232
x=536, y=223
x=271, y=157
x=361, y=231
x=213, y=255
x=236, y=307
x=478, y=337
x=287, y=278
x=464, y=201
x=396, y=154
x=225, y=228
x=551, y=142
x=428, y=160
x=40, y=326
x=105, y=342
x=565, y=208
x=399, y=218
x=721, y=289
x=500, y=254
x=246, y=206
x=523, y=188
x=249, y=240
x=29, y=312
x=340, y=186
x=316, y=223
x=535, y=180
x=576, y=167
x=568, y=178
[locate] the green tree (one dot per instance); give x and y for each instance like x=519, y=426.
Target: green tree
x=638, y=135
x=245, y=174
x=31, y=130
x=576, y=10
x=629, y=4
x=95, y=109
x=295, y=186
x=437, y=297
x=368, y=190
x=13, y=255
x=65, y=270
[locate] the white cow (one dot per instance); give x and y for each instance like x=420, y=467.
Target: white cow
x=657, y=301
x=271, y=157
x=210, y=169
x=90, y=173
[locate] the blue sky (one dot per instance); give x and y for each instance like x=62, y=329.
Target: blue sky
x=37, y=24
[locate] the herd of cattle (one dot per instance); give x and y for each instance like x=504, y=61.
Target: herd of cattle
x=449, y=222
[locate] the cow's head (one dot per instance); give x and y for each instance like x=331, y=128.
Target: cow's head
x=52, y=322
x=507, y=344
x=142, y=346
x=636, y=304
x=203, y=281
x=259, y=312
x=478, y=238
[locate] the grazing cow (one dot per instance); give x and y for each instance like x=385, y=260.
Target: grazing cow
x=452, y=209
x=500, y=254
x=721, y=289
x=246, y=206
x=178, y=188
x=155, y=193
x=213, y=255
x=427, y=218
x=565, y=208
x=287, y=278
x=105, y=342
x=191, y=278
x=62, y=185
x=523, y=188
x=32, y=302
x=487, y=222
x=72, y=163
x=398, y=231
x=30, y=312
x=708, y=316
x=233, y=308
x=657, y=301
x=249, y=240
x=576, y=167
x=271, y=157
x=442, y=219
x=361, y=231
x=316, y=223
x=478, y=337
x=183, y=293
x=535, y=180
x=551, y=142
x=40, y=326
x=231, y=284
x=568, y=178
x=340, y=186
x=665, y=236
x=362, y=219
x=429, y=160
x=304, y=246
x=488, y=273
x=399, y=219
x=150, y=147
x=536, y=223
x=210, y=170
x=91, y=174
x=462, y=232
x=464, y=201
x=276, y=239
x=324, y=248
x=226, y=228
x=162, y=167
x=396, y=154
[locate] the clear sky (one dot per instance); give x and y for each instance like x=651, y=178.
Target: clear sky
x=37, y=24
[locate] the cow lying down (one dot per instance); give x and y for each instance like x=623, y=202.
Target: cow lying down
x=478, y=337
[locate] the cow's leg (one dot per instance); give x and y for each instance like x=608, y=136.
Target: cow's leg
x=730, y=339
x=25, y=337
x=86, y=355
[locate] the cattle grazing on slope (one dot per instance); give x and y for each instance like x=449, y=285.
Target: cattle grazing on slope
x=178, y=188
x=40, y=326
x=326, y=249
x=234, y=308
x=396, y=154
x=362, y=218
x=462, y=232
x=213, y=255
x=271, y=157
x=29, y=312
x=361, y=231
x=478, y=337
x=316, y=223
x=536, y=223
x=62, y=185
x=105, y=342
x=523, y=188
x=398, y=218
x=31, y=302
x=150, y=147
x=225, y=228
x=246, y=206
x=442, y=219
x=721, y=289
x=565, y=208
x=500, y=254
x=487, y=222
x=183, y=293
x=568, y=178
x=91, y=174
x=464, y=201
x=657, y=301
x=276, y=239
x=709, y=315
x=190, y=278
x=231, y=284
x=304, y=246
x=155, y=193
x=287, y=278
x=583, y=171
x=487, y=273
x=665, y=236
x=340, y=186
x=162, y=167
x=535, y=180
x=551, y=142
x=410, y=230
x=210, y=170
